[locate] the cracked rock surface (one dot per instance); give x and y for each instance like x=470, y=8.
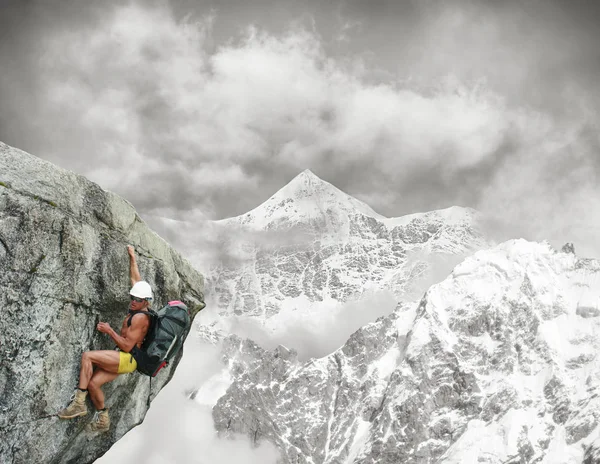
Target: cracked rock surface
x=63, y=268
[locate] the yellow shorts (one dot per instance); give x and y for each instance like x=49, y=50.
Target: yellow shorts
x=127, y=363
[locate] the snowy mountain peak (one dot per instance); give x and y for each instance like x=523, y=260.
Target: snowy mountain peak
x=309, y=185
x=311, y=242
x=306, y=184
x=497, y=363
x=305, y=199
x=313, y=203
x=307, y=180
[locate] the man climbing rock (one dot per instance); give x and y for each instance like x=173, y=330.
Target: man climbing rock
x=109, y=364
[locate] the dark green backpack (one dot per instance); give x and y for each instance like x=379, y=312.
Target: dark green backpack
x=165, y=337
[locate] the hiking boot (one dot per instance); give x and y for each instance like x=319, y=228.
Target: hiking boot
x=77, y=407
x=100, y=422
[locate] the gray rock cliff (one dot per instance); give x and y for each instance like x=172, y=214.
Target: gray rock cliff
x=63, y=268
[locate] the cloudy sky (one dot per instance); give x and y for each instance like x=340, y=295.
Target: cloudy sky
x=197, y=109
x=194, y=109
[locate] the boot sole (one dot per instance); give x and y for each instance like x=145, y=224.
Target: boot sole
x=73, y=416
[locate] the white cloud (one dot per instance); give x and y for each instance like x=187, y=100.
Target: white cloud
x=172, y=124
x=177, y=429
x=145, y=80
x=314, y=330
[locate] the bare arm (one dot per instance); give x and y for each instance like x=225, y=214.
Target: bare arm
x=135, y=334
x=134, y=272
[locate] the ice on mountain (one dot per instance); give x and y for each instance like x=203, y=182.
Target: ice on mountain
x=493, y=364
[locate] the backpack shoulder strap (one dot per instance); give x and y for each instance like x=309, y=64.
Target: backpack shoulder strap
x=150, y=313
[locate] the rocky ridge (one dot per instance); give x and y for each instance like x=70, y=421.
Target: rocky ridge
x=497, y=364
x=63, y=268
x=311, y=242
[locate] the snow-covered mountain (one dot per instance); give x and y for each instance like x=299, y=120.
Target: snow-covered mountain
x=496, y=364
x=311, y=242
x=305, y=201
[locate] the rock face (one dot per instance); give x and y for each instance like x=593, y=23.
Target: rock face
x=311, y=242
x=63, y=268
x=495, y=364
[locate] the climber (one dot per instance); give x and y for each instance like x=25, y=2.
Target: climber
x=112, y=363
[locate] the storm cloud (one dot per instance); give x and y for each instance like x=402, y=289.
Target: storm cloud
x=409, y=106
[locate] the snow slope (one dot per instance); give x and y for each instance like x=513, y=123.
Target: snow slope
x=496, y=364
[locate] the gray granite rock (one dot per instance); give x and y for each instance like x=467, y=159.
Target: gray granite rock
x=64, y=267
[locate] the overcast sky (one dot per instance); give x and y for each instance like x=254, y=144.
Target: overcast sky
x=205, y=108
x=193, y=109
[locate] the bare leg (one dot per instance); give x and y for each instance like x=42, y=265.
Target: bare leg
x=99, y=378
x=107, y=360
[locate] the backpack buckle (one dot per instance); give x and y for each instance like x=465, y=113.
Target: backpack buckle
x=162, y=364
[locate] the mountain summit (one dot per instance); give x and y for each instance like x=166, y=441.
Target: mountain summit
x=305, y=199
x=312, y=204
x=311, y=242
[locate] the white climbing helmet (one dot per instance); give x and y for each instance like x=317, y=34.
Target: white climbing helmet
x=141, y=289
